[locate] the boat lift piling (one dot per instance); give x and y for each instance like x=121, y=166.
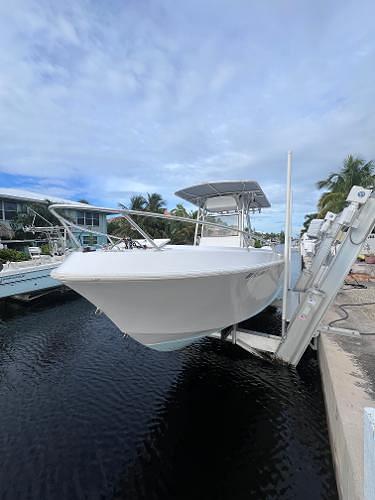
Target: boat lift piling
x=287, y=243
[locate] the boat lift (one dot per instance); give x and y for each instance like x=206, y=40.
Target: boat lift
x=304, y=305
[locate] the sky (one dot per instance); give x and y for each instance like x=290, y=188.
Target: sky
x=105, y=99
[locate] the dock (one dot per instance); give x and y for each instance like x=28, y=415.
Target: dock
x=347, y=365
x=362, y=272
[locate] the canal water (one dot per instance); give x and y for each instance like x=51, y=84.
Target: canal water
x=86, y=413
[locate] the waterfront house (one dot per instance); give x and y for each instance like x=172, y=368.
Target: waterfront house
x=15, y=201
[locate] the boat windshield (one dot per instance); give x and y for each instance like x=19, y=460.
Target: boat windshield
x=229, y=220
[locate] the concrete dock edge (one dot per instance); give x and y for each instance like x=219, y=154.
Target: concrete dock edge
x=347, y=366
x=369, y=453
x=347, y=394
x=347, y=463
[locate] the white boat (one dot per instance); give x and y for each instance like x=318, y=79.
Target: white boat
x=29, y=277
x=168, y=296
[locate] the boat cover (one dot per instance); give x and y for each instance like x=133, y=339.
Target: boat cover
x=199, y=193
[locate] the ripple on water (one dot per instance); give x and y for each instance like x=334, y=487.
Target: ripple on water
x=88, y=413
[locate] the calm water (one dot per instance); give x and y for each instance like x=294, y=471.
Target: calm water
x=89, y=414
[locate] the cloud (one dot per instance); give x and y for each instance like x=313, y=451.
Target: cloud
x=103, y=99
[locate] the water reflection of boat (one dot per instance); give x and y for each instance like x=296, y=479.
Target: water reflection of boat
x=168, y=297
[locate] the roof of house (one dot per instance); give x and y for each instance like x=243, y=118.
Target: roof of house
x=23, y=195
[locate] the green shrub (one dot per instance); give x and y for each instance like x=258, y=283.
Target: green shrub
x=7, y=254
x=45, y=249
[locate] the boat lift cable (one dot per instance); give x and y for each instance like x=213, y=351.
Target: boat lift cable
x=355, y=285
x=343, y=307
x=357, y=243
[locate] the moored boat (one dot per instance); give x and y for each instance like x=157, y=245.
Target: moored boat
x=168, y=296
x=28, y=277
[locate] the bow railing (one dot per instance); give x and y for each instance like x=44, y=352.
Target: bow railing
x=127, y=213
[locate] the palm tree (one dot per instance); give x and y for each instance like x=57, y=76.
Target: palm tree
x=182, y=233
x=119, y=226
x=355, y=172
x=138, y=202
x=157, y=228
x=154, y=227
x=155, y=203
x=181, y=211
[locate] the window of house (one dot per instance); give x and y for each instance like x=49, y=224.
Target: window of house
x=9, y=210
x=95, y=219
x=90, y=239
x=88, y=219
x=81, y=218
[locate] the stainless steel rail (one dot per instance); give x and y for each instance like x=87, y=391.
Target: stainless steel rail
x=127, y=215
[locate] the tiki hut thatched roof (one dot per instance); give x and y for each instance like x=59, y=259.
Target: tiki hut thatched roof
x=6, y=232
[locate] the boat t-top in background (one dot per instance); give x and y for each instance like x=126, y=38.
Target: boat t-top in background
x=167, y=296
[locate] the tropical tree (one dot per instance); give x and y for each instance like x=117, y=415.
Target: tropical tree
x=119, y=226
x=138, y=202
x=156, y=228
x=155, y=203
x=182, y=233
x=355, y=172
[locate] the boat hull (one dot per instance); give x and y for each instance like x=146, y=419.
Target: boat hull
x=172, y=312
x=28, y=280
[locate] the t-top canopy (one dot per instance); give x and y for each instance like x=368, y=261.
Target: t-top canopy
x=198, y=194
